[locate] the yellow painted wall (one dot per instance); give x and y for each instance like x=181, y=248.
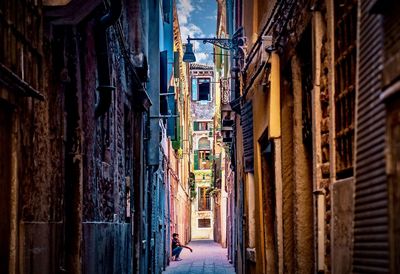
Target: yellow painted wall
x=266, y=120
x=274, y=99
x=260, y=125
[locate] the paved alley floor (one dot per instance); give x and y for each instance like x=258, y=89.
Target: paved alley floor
x=208, y=257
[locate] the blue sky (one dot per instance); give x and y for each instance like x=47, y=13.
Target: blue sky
x=198, y=18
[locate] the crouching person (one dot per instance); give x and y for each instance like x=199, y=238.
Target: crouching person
x=177, y=247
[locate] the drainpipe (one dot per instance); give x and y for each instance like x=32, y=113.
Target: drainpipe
x=103, y=68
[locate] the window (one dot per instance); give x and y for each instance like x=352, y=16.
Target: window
x=204, y=223
x=201, y=89
x=345, y=68
x=204, y=159
x=204, y=199
x=204, y=89
x=204, y=144
x=199, y=126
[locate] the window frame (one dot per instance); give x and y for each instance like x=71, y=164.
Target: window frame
x=206, y=199
x=205, y=153
x=195, y=96
x=203, y=227
x=345, y=53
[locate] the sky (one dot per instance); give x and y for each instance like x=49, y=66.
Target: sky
x=198, y=18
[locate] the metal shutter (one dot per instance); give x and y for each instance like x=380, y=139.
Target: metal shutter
x=371, y=250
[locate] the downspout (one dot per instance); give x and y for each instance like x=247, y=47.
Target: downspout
x=103, y=68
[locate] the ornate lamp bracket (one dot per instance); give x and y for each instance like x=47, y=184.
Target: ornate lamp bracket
x=225, y=43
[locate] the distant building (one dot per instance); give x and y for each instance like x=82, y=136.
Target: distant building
x=202, y=95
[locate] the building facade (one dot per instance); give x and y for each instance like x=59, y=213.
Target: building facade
x=313, y=136
x=83, y=165
x=179, y=149
x=202, y=95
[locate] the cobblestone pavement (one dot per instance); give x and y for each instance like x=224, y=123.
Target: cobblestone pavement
x=208, y=257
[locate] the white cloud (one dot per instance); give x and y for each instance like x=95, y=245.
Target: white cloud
x=185, y=9
x=191, y=30
x=211, y=17
x=202, y=57
x=198, y=7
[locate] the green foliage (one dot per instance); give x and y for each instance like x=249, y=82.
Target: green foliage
x=193, y=194
x=192, y=187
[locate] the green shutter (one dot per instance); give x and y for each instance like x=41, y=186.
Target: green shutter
x=195, y=126
x=176, y=144
x=196, y=160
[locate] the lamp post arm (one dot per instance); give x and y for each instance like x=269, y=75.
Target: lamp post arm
x=224, y=43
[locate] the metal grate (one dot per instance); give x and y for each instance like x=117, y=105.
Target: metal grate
x=345, y=68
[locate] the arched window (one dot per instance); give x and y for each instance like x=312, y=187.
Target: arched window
x=204, y=144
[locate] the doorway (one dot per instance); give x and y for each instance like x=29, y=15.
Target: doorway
x=269, y=205
x=5, y=184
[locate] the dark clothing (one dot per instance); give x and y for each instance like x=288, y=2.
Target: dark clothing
x=175, y=243
x=176, y=248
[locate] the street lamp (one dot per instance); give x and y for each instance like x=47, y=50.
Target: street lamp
x=188, y=56
x=225, y=43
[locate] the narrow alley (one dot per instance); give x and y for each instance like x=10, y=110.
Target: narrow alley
x=207, y=257
x=263, y=134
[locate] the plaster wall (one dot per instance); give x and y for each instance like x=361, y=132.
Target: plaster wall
x=303, y=183
x=287, y=173
x=342, y=221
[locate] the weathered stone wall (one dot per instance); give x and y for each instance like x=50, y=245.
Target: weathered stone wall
x=287, y=172
x=303, y=206
x=325, y=91
x=40, y=162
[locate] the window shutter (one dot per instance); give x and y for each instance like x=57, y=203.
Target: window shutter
x=171, y=120
x=246, y=119
x=177, y=143
x=371, y=225
x=164, y=104
x=194, y=89
x=195, y=126
x=196, y=160
x=163, y=72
